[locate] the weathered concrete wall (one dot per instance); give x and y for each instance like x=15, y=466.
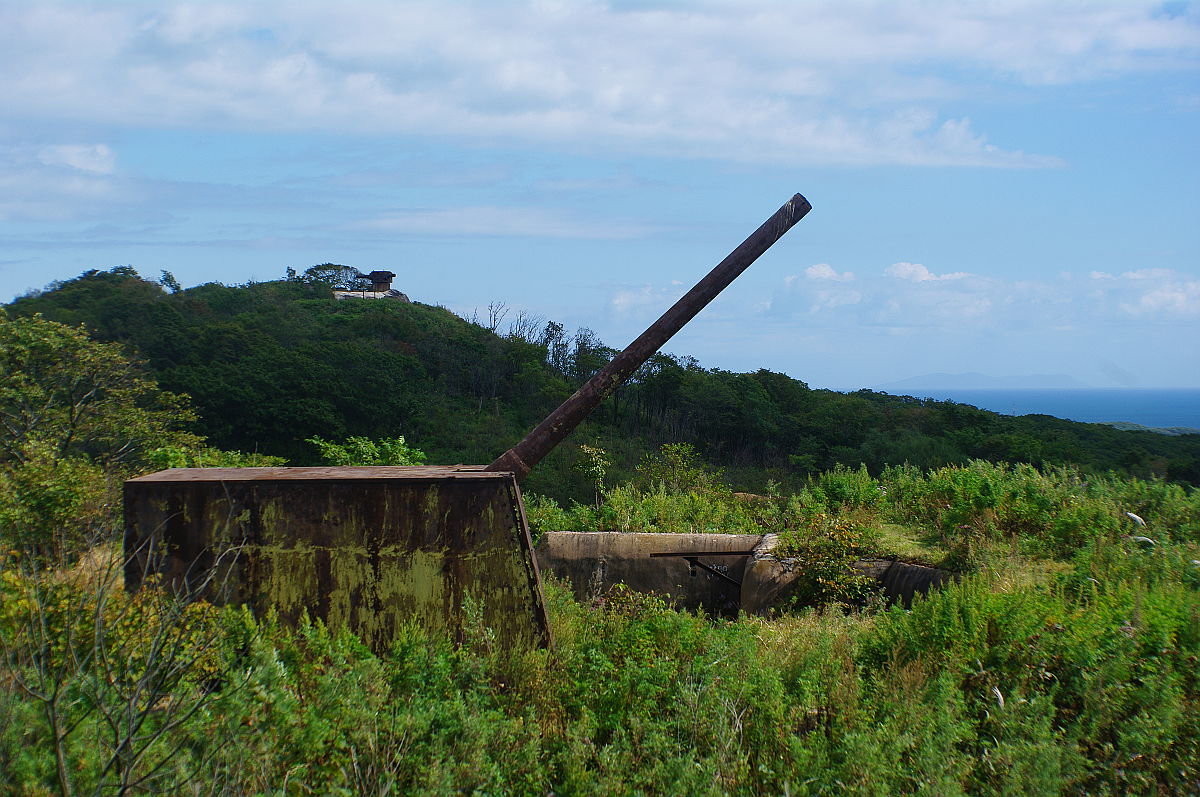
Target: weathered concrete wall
x=903, y=581
x=768, y=581
x=594, y=561
x=365, y=548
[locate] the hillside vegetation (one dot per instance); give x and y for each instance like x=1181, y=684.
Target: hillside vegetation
x=1065, y=658
x=270, y=364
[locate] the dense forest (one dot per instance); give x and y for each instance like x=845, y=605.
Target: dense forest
x=269, y=365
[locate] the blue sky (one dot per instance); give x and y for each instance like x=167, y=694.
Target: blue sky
x=998, y=187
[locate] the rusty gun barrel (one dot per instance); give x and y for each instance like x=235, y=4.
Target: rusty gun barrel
x=549, y=433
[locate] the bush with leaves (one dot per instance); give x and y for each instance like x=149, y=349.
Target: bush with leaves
x=594, y=464
x=52, y=509
x=677, y=468
x=365, y=451
x=208, y=457
x=69, y=396
x=107, y=681
x=824, y=550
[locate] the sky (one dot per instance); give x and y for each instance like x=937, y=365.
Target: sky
x=1008, y=188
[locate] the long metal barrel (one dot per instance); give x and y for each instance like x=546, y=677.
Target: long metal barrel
x=549, y=433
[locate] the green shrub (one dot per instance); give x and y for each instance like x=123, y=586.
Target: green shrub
x=825, y=551
x=365, y=451
x=52, y=508
x=677, y=468
x=208, y=457
x=844, y=488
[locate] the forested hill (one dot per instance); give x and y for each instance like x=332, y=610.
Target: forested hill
x=270, y=364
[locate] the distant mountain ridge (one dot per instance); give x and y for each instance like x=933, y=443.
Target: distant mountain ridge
x=1170, y=431
x=977, y=381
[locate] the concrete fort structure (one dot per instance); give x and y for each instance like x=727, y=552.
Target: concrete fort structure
x=368, y=549
x=719, y=573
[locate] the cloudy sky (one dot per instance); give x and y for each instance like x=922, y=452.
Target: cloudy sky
x=1002, y=187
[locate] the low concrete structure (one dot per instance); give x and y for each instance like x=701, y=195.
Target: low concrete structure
x=903, y=581
x=715, y=572
x=592, y=562
x=366, y=548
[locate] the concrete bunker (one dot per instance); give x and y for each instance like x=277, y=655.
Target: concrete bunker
x=720, y=573
x=369, y=549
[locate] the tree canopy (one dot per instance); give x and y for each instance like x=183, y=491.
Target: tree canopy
x=67, y=395
x=76, y=415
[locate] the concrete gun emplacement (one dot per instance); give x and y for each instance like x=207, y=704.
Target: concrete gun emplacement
x=376, y=548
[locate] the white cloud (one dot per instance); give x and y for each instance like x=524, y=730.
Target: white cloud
x=94, y=158
x=824, y=271
x=915, y=272
x=498, y=221
x=1148, y=274
x=1178, y=300
x=635, y=300
x=1168, y=295
x=910, y=295
x=832, y=299
x=58, y=182
x=827, y=82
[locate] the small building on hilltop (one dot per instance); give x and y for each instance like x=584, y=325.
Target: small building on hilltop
x=381, y=288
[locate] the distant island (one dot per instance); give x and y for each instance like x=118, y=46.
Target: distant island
x=977, y=381
x=1170, y=431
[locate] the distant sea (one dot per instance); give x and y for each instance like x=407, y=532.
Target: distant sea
x=1154, y=408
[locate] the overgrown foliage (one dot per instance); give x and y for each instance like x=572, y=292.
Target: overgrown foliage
x=1064, y=661
x=64, y=395
x=1083, y=684
x=824, y=551
x=76, y=416
x=1051, y=511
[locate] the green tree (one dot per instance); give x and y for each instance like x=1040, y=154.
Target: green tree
x=64, y=395
x=169, y=282
x=337, y=277
x=75, y=417
x=677, y=468
x=594, y=465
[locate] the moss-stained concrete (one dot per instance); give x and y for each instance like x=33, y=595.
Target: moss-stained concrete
x=594, y=561
x=365, y=548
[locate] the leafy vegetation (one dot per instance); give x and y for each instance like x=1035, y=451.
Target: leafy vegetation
x=365, y=451
x=76, y=416
x=1084, y=684
x=1052, y=511
x=1063, y=661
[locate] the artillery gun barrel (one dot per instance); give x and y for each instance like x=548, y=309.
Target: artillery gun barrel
x=521, y=458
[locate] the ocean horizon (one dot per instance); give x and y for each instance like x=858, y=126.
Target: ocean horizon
x=1158, y=408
